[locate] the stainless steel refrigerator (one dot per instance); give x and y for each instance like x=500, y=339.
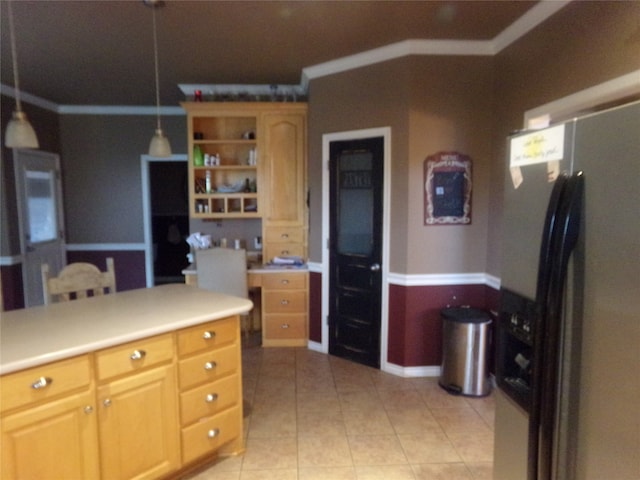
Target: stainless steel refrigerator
x=568, y=333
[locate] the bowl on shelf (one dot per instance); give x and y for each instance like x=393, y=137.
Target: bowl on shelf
x=236, y=187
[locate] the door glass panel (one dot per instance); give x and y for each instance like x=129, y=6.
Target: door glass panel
x=41, y=206
x=355, y=212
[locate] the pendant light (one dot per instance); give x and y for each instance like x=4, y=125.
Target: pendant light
x=159, y=145
x=19, y=133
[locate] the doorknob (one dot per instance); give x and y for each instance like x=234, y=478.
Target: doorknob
x=375, y=267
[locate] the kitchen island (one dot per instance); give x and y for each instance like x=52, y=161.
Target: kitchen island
x=137, y=384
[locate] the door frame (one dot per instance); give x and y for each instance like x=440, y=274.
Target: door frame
x=385, y=133
x=146, y=209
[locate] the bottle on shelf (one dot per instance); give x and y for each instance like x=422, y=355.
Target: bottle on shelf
x=198, y=157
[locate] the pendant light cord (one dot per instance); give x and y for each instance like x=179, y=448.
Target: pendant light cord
x=14, y=59
x=155, y=56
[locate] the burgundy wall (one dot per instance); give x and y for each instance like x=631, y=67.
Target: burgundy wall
x=315, y=307
x=415, y=326
x=12, y=289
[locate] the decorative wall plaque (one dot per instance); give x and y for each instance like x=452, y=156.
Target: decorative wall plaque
x=447, y=189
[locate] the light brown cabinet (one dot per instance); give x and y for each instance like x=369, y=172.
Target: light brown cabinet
x=137, y=409
x=210, y=389
x=262, y=170
x=285, y=309
x=48, y=414
x=144, y=409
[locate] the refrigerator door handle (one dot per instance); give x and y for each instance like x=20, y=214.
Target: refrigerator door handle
x=562, y=242
x=545, y=261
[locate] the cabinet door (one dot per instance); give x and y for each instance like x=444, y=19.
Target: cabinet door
x=284, y=169
x=139, y=430
x=57, y=439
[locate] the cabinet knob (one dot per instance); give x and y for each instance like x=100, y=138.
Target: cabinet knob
x=42, y=382
x=210, y=365
x=212, y=397
x=208, y=335
x=284, y=302
x=88, y=409
x=213, y=433
x=138, y=355
x=106, y=402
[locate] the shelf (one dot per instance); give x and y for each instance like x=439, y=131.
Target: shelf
x=227, y=167
x=221, y=205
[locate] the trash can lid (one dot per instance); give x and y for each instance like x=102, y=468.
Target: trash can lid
x=465, y=315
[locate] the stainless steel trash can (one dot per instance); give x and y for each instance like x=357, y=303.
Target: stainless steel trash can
x=465, y=338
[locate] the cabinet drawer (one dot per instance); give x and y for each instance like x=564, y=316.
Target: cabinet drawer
x=285, y=326
x=209, y=399
x=273, y=250
x=282, y=281
x=134, y=356
x=208, y=366
x=43, y=382
x=207, y=436
x=284, y=235
x=207, y=336
x=284, y=301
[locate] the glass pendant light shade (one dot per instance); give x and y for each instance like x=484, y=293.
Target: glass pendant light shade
x=159, y=145
x=20, y=133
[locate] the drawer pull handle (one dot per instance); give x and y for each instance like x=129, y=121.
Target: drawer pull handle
x=210, y=365
x=284, y=281
x=213, y=433
x=285, y=252
x=42, y=382
x=284, y=302
x=138, y=355
x=212, y=397
x=208, y=335
x=284, y=235
x=284, y=325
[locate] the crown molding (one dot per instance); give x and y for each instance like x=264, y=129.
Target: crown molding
x=396, y=50
x=532, y=18
x=118, y=110
x=527, y=22
x=28, y=98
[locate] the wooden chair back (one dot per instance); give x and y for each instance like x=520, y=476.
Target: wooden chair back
x=78, y=280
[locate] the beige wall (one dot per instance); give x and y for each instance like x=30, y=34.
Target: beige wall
x=468, y=104
x=432, y=104
x=583, y=45
x=102, y=176
x=370, y=97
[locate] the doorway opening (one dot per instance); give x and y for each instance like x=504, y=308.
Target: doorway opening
x=166, y=218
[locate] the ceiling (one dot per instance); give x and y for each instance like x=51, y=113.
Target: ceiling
x=101, y=52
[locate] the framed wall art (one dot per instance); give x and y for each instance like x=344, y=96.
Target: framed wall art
x=447, y=189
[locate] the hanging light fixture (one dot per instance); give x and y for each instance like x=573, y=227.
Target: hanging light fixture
x=159, y=145
x=19, y=133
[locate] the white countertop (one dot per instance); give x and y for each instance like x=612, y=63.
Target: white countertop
x=38, y=335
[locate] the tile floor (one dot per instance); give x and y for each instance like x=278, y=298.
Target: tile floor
x=310, y=416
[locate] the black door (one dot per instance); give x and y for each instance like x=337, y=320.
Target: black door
x=355, y=250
